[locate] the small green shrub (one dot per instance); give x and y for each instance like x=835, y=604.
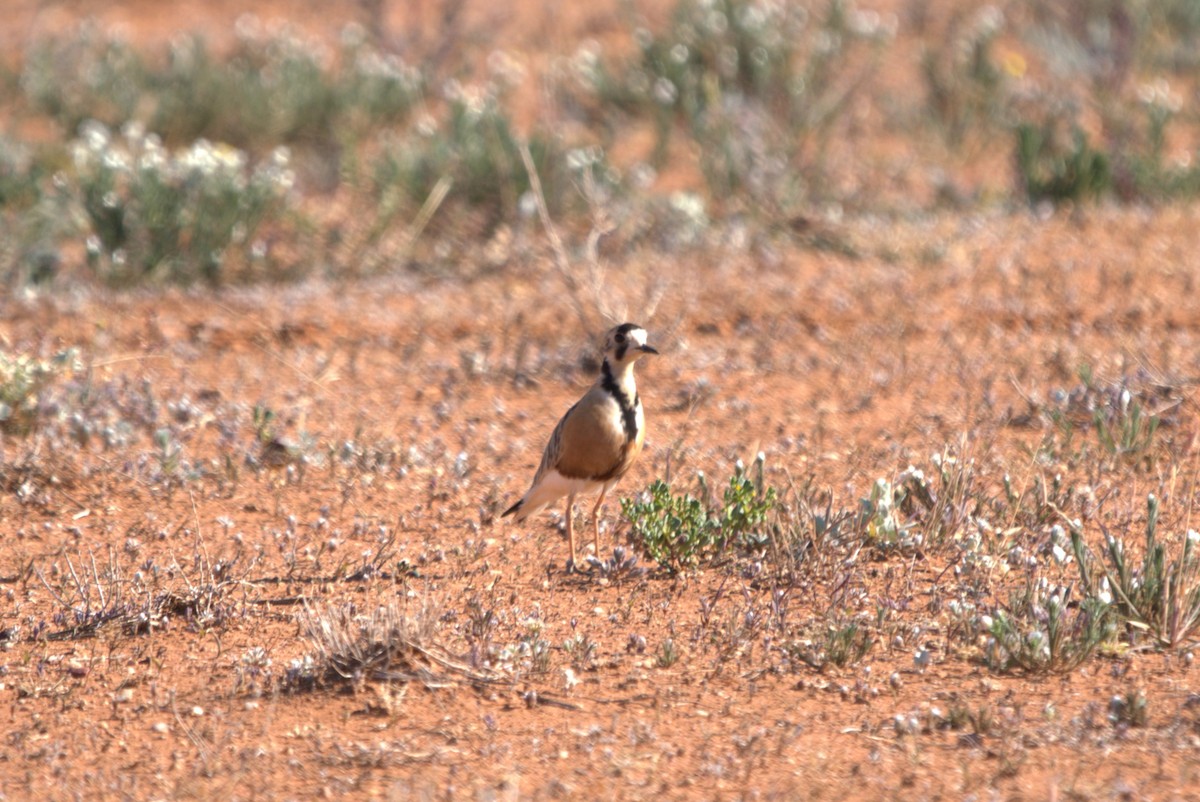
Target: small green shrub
x=32, y=213
x=675, y=530
x=84, y=76
x=745, y=507
x=680, y=532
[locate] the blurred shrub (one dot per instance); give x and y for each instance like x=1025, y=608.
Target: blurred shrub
x=477, y=148
x=193, y=215
x=270, y=88
x=758, y=86
x=1052, y=169
x=966, y=86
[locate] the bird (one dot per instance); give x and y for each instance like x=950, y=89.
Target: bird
x=597, y=440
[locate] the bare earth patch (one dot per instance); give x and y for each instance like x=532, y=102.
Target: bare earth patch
x=159, y=568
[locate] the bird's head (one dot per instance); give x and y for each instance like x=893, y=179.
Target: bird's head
x=624, y=344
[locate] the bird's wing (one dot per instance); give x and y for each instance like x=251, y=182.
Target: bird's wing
x=589, y=442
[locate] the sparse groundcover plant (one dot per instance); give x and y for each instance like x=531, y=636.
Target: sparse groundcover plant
x=1113, y=418
x=197, y=215
x=529, y=655
x=581, y=650
x=965, y=83
x=23, y=379
x=253, y=672
x=1034, y=503
x=1058, y=163
x=842, y=641
x=1041, y=630
x=1130, y=709
x=805, y=523
x=947, y=505
x=621, y=565
x=1125, y=429
x=681, y=532
x=883, y=524
x=20, y=175
x=667, y=653
x=1143, y=167
x=386, y=644
x=93, y=594
x=1161, y=596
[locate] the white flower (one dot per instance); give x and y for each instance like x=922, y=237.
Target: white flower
x=665, y=91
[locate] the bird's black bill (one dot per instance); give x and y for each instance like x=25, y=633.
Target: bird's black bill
x=648, y=350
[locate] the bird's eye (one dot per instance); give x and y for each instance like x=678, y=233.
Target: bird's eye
x=620, y=338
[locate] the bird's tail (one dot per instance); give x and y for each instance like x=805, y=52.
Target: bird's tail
x=531, y=503
x=546, y=490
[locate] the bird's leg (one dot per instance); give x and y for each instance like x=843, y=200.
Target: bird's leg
x=571, y=530
x=596, y=520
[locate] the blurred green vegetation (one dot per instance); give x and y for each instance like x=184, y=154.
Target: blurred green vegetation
x=773, y=108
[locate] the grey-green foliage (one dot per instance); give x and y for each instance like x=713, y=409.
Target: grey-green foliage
x=477, y=149
x=1040, y=631
x=757, y=86
x=23, y=379
x=965, y=86
x=271, y=88
x=183, y=217
x=1052, y=169
x=1160, y=594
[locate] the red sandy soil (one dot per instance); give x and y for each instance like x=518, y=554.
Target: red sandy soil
x=953, y=331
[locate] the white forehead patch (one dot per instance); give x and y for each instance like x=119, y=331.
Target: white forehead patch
x=638, y=336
